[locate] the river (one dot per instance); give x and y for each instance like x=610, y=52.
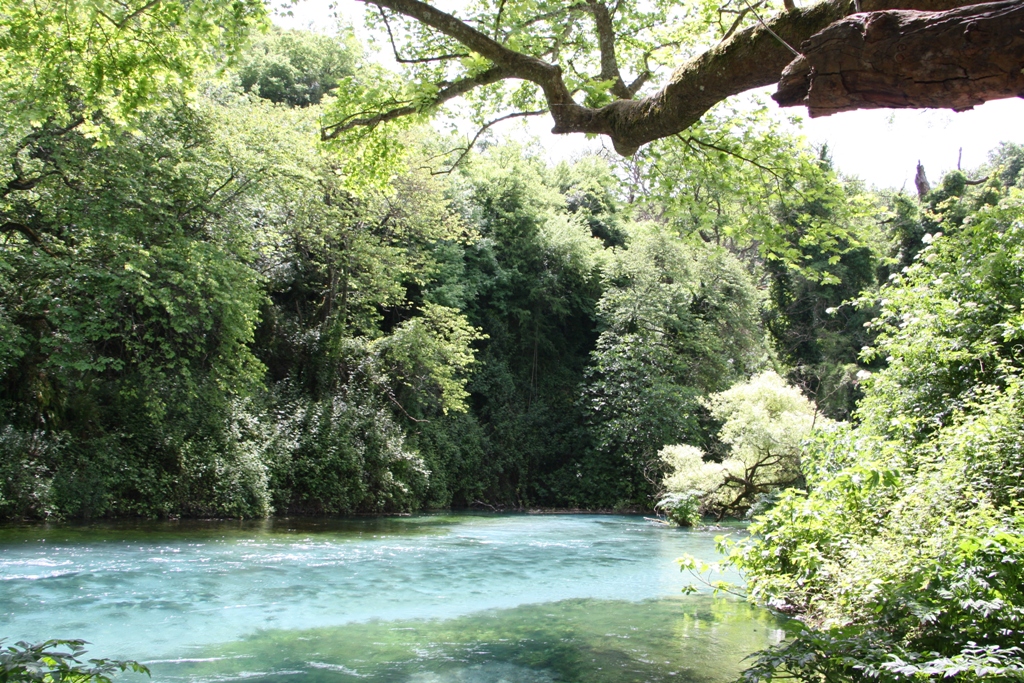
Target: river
x=422, y=599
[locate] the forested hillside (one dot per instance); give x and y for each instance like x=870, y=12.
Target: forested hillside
x=210, y=313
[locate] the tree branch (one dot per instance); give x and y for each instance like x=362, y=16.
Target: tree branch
x=20, y=183
x=465, y=150
x=497, y=19
x=606, y=45
x=367, y=120
x=29, y=234
x=955, y=59
x=740, y=16
x=419, y=60
x=753, y=57
x=568, y=115
x=520, y=65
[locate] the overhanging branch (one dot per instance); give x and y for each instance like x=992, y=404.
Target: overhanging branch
x=751, y=58
x=450, y=92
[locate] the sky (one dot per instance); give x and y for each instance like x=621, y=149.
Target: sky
x=880, y=146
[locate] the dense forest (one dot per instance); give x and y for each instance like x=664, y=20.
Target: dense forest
x=207, y=310
x=214, y=315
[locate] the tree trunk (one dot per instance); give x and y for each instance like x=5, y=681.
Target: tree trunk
x=955, y=59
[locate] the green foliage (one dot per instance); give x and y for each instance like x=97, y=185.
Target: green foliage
x=737, y=179
x=764, y=422
x=530, y=283
x=54, y=661
x=212, y=304
x=369, y=154
x=680, y=322
x=816, y=327
x=433, y=351
x=296, y=67
x=949, y=326
x=681, y=508
x=92, y=63
x=1006, y=162
x=845, y=653
x=589, y=188
x=905, y=550
x=136, y=279
x=344, y=455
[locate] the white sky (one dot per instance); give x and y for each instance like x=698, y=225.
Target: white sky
x=880, y=146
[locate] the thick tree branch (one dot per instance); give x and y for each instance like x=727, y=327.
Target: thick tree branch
x=606, y=45
x=520, y=65
x=751, y=58
x=955, y=59
x=568, y=115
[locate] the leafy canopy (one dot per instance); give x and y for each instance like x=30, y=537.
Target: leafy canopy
x=95, y=62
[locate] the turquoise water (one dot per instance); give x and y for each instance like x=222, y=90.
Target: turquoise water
x=423, y=599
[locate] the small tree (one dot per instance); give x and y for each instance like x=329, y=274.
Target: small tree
x=764, y=422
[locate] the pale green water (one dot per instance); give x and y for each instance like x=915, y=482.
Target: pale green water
x=425, y=599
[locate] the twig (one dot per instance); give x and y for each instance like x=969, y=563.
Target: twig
x=465, y=150
x=419, y=60
x=767, y=28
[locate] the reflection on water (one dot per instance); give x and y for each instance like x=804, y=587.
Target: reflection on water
x=424, y=599
x=697, y=639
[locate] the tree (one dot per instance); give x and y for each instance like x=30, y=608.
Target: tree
x=530, y=282
x=93, y=63
x=296, y=67
x=903, y=554
x=679, y=321
x=599, y=81
x=764, y=421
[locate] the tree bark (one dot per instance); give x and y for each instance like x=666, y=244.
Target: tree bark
x=751, y=58
x=955, y=59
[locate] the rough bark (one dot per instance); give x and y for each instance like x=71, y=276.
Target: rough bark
x=955, y=59
x=752, y=58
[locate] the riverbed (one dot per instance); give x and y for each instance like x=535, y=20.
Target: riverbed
x=421, y=599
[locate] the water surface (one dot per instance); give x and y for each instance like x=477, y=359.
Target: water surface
x=513, y=598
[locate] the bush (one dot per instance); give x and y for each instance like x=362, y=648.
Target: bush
x=57, y=661
x=904, y=556
x=765, y=422
x=682, y=509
